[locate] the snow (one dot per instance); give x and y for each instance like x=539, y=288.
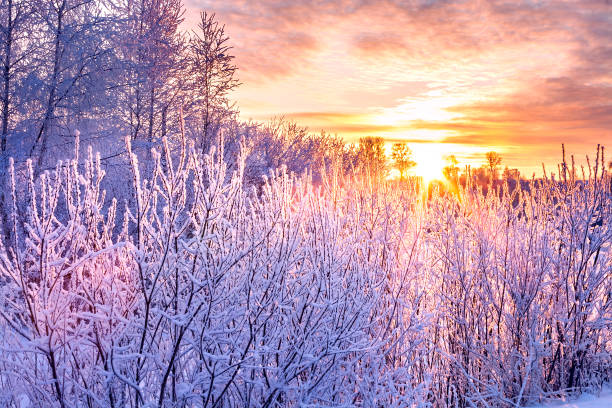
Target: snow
x=603, y=400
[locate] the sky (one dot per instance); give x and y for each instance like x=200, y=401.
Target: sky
x=447, y=77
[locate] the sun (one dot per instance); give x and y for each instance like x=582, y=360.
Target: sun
x=430, y=159
x=430, y=163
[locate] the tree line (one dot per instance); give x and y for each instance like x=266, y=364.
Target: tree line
x=401, y=158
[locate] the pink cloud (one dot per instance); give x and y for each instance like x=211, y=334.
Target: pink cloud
x=533, y=72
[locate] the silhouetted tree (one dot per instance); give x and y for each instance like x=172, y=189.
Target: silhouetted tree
x=493, y=162
x=451, y=171
x=511, y=173
x=480, y=176
x=402, y=158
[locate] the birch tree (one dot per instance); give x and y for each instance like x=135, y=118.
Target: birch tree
x=69, y=63
x=213, y=74
x=16, y=23
x=151, y=48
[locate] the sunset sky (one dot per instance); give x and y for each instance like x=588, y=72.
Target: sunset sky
x=454, y=77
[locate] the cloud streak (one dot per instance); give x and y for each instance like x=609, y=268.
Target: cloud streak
x=529, y=73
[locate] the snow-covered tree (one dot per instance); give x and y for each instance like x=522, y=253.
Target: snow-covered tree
x=212, y=75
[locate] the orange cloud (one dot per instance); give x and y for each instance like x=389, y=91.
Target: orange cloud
x=520, y=75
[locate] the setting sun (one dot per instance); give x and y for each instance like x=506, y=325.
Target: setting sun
x=429, y=165
x=429, y=161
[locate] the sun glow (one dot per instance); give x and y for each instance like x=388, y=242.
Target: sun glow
x=431, y=107
x=429, y=166
x=430, y=163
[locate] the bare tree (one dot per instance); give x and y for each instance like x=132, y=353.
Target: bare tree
x=213, y=74
x=15, y=19
x=401, y=154
x=152, y=51
x=69, y=60
x=493, y=162
x=451, y=171
x=511, y=174
x=371, y=156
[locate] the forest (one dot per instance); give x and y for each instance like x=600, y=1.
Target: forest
x=158, y=251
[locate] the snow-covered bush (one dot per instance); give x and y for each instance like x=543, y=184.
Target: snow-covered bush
x=207, y=292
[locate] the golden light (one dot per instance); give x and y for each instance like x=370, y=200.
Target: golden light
x=431, y=108
x=430, y=163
